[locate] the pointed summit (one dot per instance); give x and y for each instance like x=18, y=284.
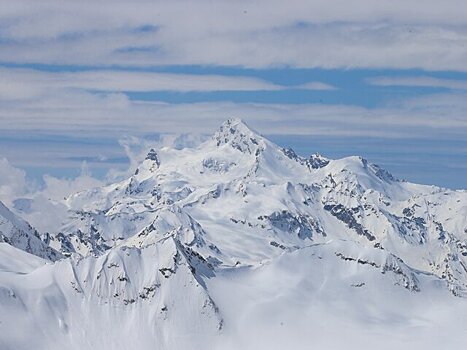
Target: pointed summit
x=317, y=161
x=236, y=124
x=150, y=164
x=238, y=134
x=152, y=155
x=233, y=127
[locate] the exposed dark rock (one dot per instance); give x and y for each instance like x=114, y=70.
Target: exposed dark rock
x=346, y=215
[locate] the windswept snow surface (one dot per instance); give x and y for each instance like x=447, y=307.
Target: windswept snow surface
x=239, y=244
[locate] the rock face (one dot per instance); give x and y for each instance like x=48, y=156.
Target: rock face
x=162, y=244
x=246, y=183
x=18, y=233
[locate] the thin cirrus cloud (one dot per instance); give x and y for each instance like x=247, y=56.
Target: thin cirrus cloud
x=95, y=101
x=395, y=34
x=316, y=85
x=64, y=130
x=419, y=81
x=25, y=83
x=93, y=57
x=68, y=112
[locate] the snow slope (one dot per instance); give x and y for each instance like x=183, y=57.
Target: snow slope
x=20, y=234
x=238, y=243
x=313, y=299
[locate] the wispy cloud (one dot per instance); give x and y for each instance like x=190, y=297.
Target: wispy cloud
x=19, y=83
x=12, y=181
x=24, y=82
x=419, y=81
x=362, y=33
x=71, y=112
x=41, y=205
x=115, y=43
x=315, y=85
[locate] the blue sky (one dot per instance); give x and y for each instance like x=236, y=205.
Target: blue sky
x=387, y=82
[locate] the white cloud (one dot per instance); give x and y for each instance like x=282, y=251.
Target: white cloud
x=45, y=209
x=361, y=33
x=113, y=115
x=316, y=85
x=419, y=81
x=48, y=211
x=12, y=182
x=68, y=113
x=43, y=206
x=136, y=149
x=57, y=189
x=28, y=83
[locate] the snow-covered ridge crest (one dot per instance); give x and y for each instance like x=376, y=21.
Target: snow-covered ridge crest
x=240, y=186
x=18, y=233
x=237, y=134
x=167, y=246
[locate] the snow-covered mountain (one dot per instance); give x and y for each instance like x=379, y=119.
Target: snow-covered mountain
x=18, y=233
x=215, y=246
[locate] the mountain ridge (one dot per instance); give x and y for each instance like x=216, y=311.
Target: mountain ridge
x=20, y=234
x=351, y=192
x=165, y=246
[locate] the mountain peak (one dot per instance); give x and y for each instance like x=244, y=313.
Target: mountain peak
x=19, y=234
x=317, y=161
x=152, y=155
x=235, y=122
x=233, y=126
x=149, y=165
x=236, y=133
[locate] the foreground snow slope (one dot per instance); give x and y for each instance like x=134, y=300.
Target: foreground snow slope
x=312, y=299
x=241, y=244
